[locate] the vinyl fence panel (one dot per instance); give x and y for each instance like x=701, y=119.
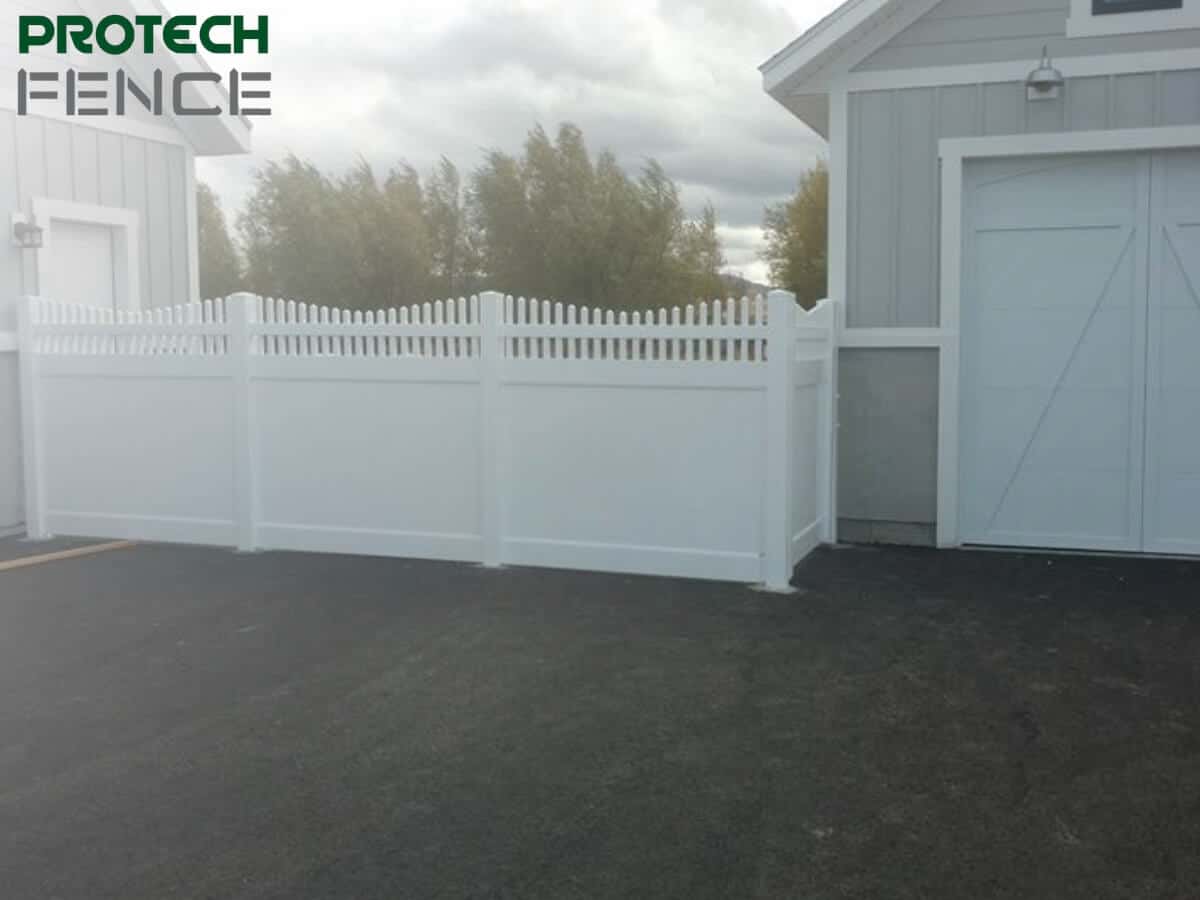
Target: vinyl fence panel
x=497, y=429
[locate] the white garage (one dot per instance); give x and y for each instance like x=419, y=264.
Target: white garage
x=1079, y=375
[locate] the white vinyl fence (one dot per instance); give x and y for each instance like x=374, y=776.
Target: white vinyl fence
x=490, y=429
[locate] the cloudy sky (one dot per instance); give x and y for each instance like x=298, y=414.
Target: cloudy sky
x=414, y=79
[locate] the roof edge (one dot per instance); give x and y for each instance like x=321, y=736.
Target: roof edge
x=207, y=135
x=807, y=52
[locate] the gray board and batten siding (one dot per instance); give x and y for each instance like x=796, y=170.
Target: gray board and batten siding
x=887, y=484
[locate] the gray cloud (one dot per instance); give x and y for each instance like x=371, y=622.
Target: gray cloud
x=675, y=80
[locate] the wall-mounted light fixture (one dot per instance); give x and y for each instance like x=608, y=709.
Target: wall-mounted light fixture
x=1045, y=82
x=26, y=234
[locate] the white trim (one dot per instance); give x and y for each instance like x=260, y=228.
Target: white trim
x=882, y=33
x=893, y=338
x=203, y=133
x=1018, y=70
x=948, y=359
x=838, y=271
x=1056, y=143
x=124, y=125
x=817, y=40
x=124, y=221
x=9, y=342
x=954, y=152
x=848, y=43
x=167, y=133
x=1082, y=22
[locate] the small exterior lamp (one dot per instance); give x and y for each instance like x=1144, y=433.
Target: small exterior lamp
x=26, y=234
x=1045, y=82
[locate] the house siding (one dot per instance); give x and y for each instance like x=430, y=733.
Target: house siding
x=894, y=170
x=887, y=437
x=888, y=398
x=966, y=32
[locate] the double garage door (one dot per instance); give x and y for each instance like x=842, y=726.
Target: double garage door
x=1080, y=417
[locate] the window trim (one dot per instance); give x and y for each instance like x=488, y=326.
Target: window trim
x=1085, y=22
x=1136, y=6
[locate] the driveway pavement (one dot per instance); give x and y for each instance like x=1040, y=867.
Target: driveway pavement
x=186, y=722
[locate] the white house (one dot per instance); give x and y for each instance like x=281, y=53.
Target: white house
x=113, y=195
x=1016, y=242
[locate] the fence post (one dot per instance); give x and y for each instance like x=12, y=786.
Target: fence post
x=778, y=487
x=490, y=305
x=239, y=314
x=31, y=434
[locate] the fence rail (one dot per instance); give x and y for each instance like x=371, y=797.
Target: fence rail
x=681, y=441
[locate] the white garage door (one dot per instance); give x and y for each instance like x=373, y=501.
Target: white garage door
x=1080, y=416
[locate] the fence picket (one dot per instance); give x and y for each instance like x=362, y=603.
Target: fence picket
x=427, y=349
x=72, y=318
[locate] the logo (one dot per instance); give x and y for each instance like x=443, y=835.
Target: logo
x=98, y=92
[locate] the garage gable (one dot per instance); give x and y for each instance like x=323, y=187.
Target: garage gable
x=970, y=32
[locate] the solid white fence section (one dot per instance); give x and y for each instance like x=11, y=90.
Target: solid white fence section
x=494, y=429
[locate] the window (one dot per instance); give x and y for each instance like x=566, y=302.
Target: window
x=1110, y=7
x=1100, y=18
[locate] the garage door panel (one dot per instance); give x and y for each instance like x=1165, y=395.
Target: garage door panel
x=1038, y=269
x=1172, y=514
x=1061, y=507
x=1053, y=324
x=1171, y=520
x=1178, y=363
x=1042, y=466
x=1086, y=430
x=1045, y=341
x=1179, y=173
x=1175, y=418
x=1109, y=338
x=1044, y=344
x=1092, y=189
x=1081, y=353
x=995, y=448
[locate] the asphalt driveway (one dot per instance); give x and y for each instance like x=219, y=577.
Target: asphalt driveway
x=182, y=722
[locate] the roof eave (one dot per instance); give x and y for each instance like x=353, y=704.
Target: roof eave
x=222, y=135
x=797, y=76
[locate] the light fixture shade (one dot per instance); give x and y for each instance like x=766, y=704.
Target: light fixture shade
x=27, y=235
x=1045, y=82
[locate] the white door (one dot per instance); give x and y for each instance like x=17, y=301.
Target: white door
x=1172, y=521
x=90, y=255
x=81, y=264
x=1053, y=334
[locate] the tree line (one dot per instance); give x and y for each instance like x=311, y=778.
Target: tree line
x=552, y=221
